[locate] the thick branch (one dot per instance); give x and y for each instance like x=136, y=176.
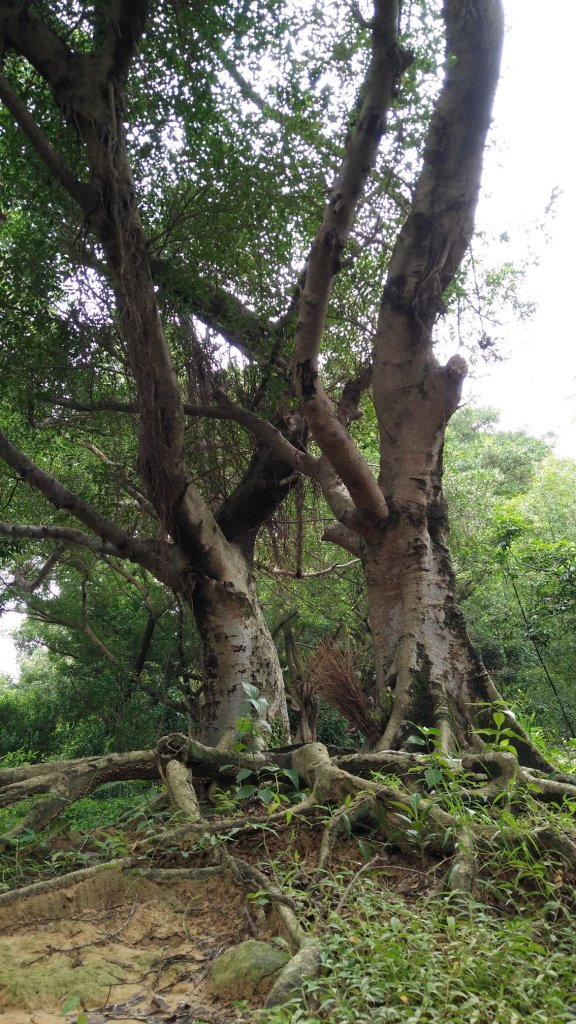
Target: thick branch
x=126, y=24
x=385, y=67
x=36, y=41
x=345, y=538
x=296, y=459
x=319, y=469
x=438, y=231
x=300, y=461
x=264, y=485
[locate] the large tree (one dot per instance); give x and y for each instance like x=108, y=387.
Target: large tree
x=76, y=85
x=90, y=92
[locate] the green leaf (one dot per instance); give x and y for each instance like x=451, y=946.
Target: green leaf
x=244, y=773
x=418, y=741
x=70, y=1004
x=433, y=776
x=251, y=691
x=498, y=718
x=244, y=792
x=292, y=774
x=415, y=799
x=266, y=795
x=260, y=706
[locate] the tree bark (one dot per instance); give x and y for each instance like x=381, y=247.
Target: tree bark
x=237, y=648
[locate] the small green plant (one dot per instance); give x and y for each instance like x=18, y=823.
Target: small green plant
x=500, y=736
x=18, y=758
x=252, y=727
x=73, y=1004
x=426, y=736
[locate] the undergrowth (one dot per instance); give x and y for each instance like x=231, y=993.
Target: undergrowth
x=437, y=961
x=94, y=829
x=390, y=953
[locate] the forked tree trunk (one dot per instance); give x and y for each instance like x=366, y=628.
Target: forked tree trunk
x=427, y=671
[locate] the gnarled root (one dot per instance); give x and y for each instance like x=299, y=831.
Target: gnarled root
x=353, y=793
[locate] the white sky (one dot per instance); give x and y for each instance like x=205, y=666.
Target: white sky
x=536, y=387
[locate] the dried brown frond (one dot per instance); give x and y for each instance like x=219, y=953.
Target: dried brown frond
x=333, y=674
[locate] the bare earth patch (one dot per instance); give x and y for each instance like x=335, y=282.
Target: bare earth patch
x=125, y=947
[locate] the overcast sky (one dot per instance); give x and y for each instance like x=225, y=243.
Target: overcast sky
x=536, y=387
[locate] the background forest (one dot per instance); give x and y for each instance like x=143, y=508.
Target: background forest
x=86, y=685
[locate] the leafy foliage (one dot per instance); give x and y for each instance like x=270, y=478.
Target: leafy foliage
x=512, y=512
x=388, y=960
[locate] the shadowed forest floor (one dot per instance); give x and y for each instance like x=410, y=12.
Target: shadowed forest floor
x=120, y=947
x=117, y=908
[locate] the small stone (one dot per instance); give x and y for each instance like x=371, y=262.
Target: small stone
x=248, y=969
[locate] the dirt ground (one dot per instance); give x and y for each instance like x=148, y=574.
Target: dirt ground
x=121, y=947
x=118, y=948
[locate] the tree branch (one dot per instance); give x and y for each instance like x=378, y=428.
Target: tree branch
x=76, y=538
x=295, y=458
x=145, y=506
x=126, y=25
x=145, y=643
x=319, y=469
x=160, y=559
x=61, y=497
x=336, y=533
x=220, y=310
x=83, y=194
x=437, y=232
x=35, y=41
x=272, y=571
x=20, y=581
x=387, y=63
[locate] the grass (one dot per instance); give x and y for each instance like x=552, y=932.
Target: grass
x=437, y=961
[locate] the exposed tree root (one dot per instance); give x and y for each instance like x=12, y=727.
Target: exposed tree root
x=395, y=797
x=63, y=881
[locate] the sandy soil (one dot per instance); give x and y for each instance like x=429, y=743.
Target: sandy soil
x=118, y=948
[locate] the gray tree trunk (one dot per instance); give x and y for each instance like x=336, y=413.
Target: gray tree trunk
x=237, y=648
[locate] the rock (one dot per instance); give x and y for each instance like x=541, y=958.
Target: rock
x=248, y=969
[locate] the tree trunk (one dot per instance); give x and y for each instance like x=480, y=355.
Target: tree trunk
x=427, y=671
x=237, y=648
